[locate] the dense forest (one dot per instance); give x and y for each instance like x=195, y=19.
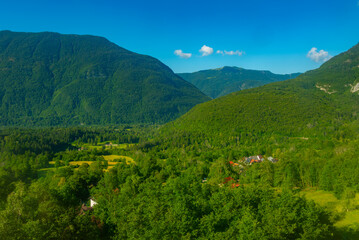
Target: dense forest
x=51, y=79
x=178, y=188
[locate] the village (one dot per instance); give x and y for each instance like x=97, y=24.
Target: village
x=240, y=165
x=251, y=160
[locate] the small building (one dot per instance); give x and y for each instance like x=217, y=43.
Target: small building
x=92, y=202
x=228, y=179
x=254, y=161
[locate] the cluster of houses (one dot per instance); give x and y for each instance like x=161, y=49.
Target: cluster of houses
x=253, y=159
x=257, y=159
x=241, y=163
x=240, y=167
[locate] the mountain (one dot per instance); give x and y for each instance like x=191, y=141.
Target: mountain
x=316, y=103
x=222, y=81
x=54, y=79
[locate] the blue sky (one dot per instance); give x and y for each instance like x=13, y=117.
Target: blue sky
x=274, y=35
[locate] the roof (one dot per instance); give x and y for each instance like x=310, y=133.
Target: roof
x=84, y=209
x=227, y=179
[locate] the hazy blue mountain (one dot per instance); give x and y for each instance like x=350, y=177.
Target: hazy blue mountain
x=222, y=81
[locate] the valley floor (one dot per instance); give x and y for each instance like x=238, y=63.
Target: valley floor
x=104, y=184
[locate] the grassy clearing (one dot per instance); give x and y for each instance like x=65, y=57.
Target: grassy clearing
x=111, y=158
x=112, y=163
x=348, y=209
x=323, y=198
x=351, y=218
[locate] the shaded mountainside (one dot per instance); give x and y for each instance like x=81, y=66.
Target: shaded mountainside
x=315, y=103
x=222, y=81
x=55, y=79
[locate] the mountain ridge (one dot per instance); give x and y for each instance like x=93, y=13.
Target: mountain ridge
x=295, y=107
x=53, y=79
x=221, y=81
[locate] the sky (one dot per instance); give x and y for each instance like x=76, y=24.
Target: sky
x=283, y=36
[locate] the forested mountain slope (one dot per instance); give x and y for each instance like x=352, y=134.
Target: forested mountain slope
x=55, y=79
x=222, y=81
x=315, y=103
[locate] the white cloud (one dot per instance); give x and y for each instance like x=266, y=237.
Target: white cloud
x=321, y=56
x=181, y=54
x=206, y=51
x=237, y=52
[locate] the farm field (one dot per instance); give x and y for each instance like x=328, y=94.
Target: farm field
x=112, y=160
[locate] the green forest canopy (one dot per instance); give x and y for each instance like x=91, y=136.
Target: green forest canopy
x=49, y=79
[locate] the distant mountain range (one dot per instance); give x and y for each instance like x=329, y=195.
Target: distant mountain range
x=222, y=81
x=316, y=103
x=55, y=79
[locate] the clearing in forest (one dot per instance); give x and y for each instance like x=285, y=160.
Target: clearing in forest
x=111, y=158
x=348, y=209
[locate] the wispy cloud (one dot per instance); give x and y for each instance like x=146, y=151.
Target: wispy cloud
x=181, y=54
x=237, y=52
x=206, y=51
x=321, y=56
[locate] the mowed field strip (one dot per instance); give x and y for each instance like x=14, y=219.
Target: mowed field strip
x=112, y=160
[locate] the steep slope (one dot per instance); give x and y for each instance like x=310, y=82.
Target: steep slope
x=222, y=81
x=54, y=79
x=315, y=103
